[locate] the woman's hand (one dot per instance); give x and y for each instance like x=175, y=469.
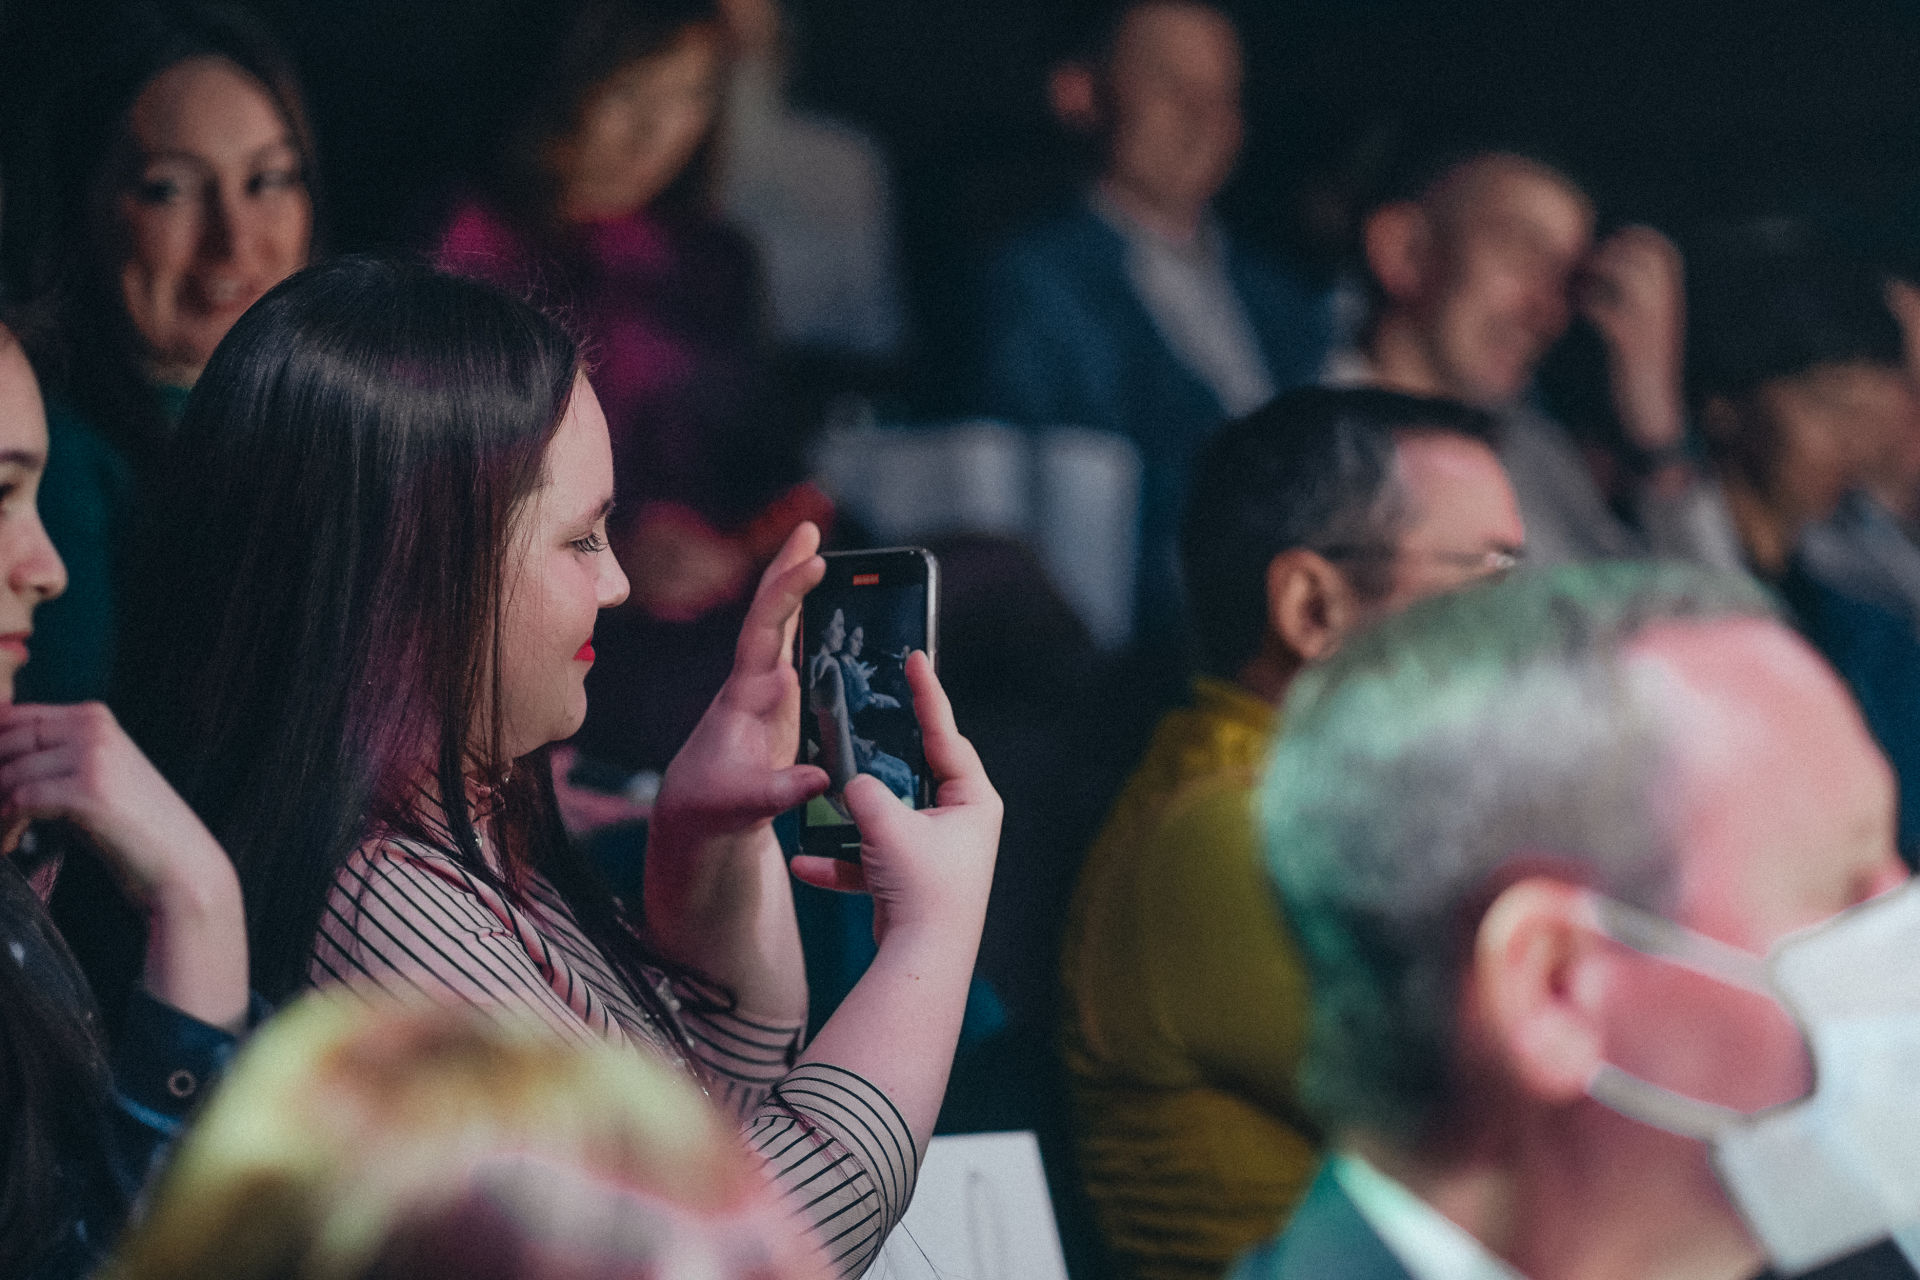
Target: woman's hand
x=717, y=893
x=929, y=871
x=75, y=763
x=736, y=772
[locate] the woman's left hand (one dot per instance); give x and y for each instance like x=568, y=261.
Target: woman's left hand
x=736, y=772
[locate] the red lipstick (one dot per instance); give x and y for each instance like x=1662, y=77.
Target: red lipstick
x=586, y=652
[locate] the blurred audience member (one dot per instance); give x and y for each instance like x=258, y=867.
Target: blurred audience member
x=1137, y=312
x=357, y=1141
x=813, y=195
x=174, y=190
x=80, y=1123
x=369, y=616
x=1870, y=546
x=600, y=207
x=1477, y=268
x=1798, y=370
x=1538, y=842
x=1187, y=1006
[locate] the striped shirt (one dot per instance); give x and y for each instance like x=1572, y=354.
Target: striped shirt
x=406, y=918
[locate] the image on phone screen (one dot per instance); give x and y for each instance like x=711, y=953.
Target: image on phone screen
x=856, y=631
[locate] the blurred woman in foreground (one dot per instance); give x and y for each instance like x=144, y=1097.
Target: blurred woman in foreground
x=357, y=1141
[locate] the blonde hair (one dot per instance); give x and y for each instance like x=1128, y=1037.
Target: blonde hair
x=347, y=1125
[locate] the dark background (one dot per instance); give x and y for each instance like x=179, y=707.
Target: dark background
x=1679, y=112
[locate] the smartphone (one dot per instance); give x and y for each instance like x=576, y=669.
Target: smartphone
x=857, y=627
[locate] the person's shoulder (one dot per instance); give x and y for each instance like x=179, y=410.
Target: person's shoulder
x=1327, y=1239
x=1264, y=270
x=385, y=857
x=1067, y=236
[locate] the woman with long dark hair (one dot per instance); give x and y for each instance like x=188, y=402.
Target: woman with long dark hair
x=79, y=1121
x=369, y=615
x=170, y=186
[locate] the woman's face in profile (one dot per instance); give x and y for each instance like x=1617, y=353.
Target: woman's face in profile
x=560, y=575
x=30, y=569
x=638, y=129
x=211, y=209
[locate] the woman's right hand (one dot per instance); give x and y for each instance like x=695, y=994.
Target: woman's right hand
x=75, y=763
x=929, y=870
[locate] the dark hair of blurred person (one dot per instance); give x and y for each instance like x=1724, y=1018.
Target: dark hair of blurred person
x=79, y=1125
x=371, y=607
x=1308, y=520
x=1478, y=260
x=357, y=1141
x=171, y=186
x=599, y=206
x=1798, y=367
x=1798, y=370
x=1135, y=310
x=1323, y=472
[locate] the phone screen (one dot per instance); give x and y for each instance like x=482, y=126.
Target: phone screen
x=856, y=630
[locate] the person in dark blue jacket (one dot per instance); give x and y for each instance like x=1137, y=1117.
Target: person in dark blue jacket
x=1136, y=311
x=82, y=1120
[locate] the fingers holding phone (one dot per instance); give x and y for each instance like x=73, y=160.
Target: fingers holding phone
x=928, y=869
x=869, y=610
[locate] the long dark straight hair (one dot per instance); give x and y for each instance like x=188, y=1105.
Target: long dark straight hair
x=59, y=234
x=315, y=633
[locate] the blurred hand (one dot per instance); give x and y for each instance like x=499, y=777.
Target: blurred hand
x=736, y=772
x=583, y=810
x=1634, y=293
x=681, y=567
x=76, y=763
x=928, y=870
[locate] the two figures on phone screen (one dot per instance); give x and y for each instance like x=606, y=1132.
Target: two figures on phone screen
x=839, y=688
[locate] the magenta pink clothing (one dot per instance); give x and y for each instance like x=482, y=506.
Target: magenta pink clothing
x=668, y=307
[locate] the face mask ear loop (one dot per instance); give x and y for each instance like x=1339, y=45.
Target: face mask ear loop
x=1651, y=1104
x=1657, y=936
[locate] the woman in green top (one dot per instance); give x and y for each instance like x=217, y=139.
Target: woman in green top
x=177, y=190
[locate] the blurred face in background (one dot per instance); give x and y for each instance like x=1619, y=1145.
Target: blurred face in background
x=638, y=129
x=1801, y=443
x=1173, y=105
x=211, y=210
x=1486, y=274
x=30, y=570
x=1464, y=521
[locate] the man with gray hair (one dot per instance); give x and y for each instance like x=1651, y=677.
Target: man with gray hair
x=1535, y=840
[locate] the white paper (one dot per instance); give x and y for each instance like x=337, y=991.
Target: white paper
x=980, y=1212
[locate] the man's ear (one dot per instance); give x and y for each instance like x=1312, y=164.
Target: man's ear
x=1534, y=987
x=1310, y=604
x=1398, y=243
x=1074, y=97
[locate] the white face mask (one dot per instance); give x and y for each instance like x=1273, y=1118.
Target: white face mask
x=1838, y=1170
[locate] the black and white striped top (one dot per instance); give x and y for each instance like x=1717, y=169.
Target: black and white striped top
x=405, y=918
